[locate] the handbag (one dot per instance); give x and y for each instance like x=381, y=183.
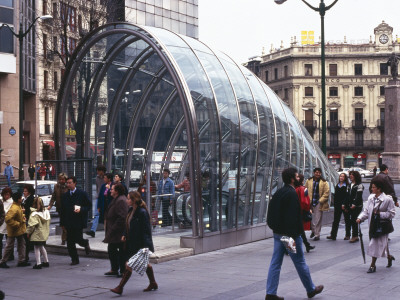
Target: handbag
x=378, y=226
x=140, y=261
x=307, y=216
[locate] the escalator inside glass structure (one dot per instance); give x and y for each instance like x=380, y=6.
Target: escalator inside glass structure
x=140, y=99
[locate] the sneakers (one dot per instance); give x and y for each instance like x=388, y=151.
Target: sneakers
x=4, y=266
x=23, y=264
x=91, y=233
x=316, y=291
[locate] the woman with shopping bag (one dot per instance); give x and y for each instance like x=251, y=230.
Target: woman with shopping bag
x=139, y=243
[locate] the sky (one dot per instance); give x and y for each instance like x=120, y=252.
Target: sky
x=241, y=28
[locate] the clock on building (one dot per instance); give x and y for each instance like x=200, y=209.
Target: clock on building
x=383, y=38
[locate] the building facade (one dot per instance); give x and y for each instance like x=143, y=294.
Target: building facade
x=356, y=75
x=72, y=20
x=17, y=15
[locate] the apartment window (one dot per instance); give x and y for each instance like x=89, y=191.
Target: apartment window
x=334, y=138
x=332, y=69
x=358, y=69
x=55, y=44
x=382, y=138
x=276, y=73
x=358, y=91
x=55, y=79
x=333, y=115
x=285, y=71
x=46, y=120
x=79, y=22
x=308, y=69
x=68, y=16
x=266, y=76
x=359, y=138
x=384, y=69
x=44, y=7
x=382, y=113
x=55, y=10
x=308, y=91
x=382, y=90
x=72, y=44
x=6, y=17
x=45, y=79
x=286, y=94
x=45, y=45
x=333, y=91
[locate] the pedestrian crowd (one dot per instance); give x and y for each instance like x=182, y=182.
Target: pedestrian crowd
x=296, y=208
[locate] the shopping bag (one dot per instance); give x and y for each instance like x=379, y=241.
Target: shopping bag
x=139, y=261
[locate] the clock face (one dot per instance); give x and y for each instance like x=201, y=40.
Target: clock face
x=383, y=38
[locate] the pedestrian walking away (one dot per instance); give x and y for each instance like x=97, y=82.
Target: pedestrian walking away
x=74, y=217
x=27, y=203
x=339, y=201
x=56, y=199
x=304, y=199
x=382, y=205
x=31, y=171
x=115, y=217
x=166, y=192
x=353, y=205
x=38, y=231
x=319, y=189
x=284, y=218
x=137, y=236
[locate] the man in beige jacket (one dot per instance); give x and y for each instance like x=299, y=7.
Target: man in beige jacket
x=318, y=189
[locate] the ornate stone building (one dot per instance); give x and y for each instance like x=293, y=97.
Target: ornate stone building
x=356, y=74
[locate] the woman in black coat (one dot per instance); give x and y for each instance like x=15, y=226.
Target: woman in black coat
x=353, y=205
x=339, y=201
x=137, y=236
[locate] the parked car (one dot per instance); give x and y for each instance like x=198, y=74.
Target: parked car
x=344, y=170
x=363, y=173
x=44, y=189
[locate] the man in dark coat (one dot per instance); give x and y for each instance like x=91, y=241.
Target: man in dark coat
x=73, y=218
x=29, y=191
x=284, y=218
x=388, y=187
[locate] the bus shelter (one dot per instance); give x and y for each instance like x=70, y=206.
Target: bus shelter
x=141, y=99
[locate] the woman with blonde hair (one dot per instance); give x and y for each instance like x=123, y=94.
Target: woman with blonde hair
x=38, y=231
x=137, y=236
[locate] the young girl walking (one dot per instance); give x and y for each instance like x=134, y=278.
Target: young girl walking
x=38, y=231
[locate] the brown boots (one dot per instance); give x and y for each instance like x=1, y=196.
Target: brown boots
x=127, y=274
x=125, y=277
x=153, y=284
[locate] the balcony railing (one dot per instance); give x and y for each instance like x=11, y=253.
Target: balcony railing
x=355, y=145
x=334, y=124
x=381, y=124
x=310, y=125
x=359, y=124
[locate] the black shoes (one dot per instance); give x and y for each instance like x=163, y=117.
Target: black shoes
x=74, y=262
x=45, y=265
x=87, y=249
x=372, y=269
x=23, y=264
x=316, y=238
x=316, y=291
x=111, y=273
x=37, y=267
x=91, y=233
x=309, y=247
x=312, y=235
x=330, y=237
x=4, y=266
x=273, y=297
x=390, y=259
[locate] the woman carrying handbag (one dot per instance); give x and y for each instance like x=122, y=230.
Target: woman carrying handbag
x=137, y=236
x=382, y=205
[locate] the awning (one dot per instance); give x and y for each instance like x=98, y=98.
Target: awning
x=349, y=157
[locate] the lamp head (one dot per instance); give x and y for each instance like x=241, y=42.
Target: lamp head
x=279, y=1
x=46, y=17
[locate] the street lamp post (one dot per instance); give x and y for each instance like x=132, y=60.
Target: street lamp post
x=322, y=9
x=20, y=36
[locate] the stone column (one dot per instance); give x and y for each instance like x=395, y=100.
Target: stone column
x=391, y=154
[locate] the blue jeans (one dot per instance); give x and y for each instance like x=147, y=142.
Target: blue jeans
x=8, y=180
x=95, y=221
x=298, y=261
